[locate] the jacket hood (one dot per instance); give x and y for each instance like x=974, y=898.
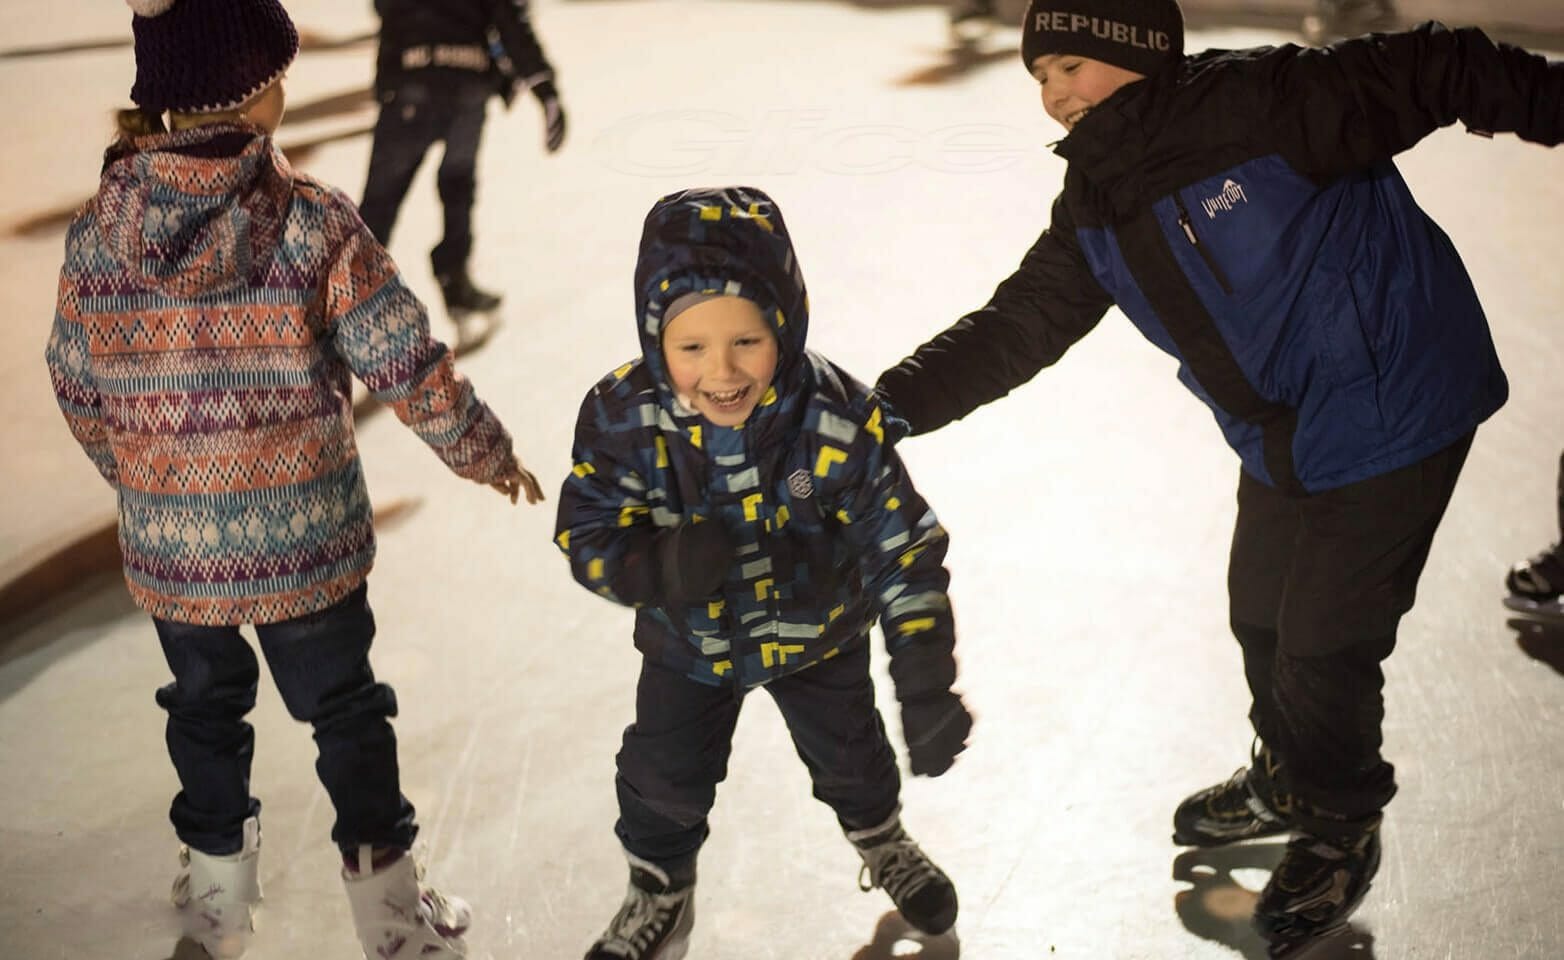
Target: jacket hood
x=193, y=212
x=725, y=241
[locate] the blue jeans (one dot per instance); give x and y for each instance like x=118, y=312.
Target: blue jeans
x=320, y=664
x=414, y=116
x=676, y=753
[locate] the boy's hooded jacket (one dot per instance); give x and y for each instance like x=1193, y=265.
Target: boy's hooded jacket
x=828, y=528
x=212, y=308
x=1242, y=209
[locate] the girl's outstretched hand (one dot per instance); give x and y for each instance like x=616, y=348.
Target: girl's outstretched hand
x=518, y=479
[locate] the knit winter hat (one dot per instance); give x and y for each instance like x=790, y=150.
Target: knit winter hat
x=1138, y=35
x=206, y=56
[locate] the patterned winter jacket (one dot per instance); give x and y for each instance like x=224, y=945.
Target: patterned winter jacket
x=830, y=531
x=212, y=306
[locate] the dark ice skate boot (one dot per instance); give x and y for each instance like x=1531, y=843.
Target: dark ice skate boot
x=655, y=920
x=461, y=297
x=1540, y=579
x=1318, y=885
x=1252, y=803
x=920, y=889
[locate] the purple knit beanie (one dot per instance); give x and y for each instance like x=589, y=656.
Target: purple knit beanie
x=206, y=56
x=1138, y=35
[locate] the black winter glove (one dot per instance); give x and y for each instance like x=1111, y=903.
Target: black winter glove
x=692, y=561
x=553, y=115
x=935, y=726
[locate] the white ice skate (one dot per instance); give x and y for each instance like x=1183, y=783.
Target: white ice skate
x=398, y=918
x=217, y=896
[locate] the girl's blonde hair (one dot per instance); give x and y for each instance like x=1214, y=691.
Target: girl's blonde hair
x=136, y=122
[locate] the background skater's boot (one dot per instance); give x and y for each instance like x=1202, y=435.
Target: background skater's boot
x=1318, y=884
x=655, y=920
x=1252, y=803
x=461, y=296
x=1535, y=585
x=217, y=896
x=397, y=917
x=919, y=888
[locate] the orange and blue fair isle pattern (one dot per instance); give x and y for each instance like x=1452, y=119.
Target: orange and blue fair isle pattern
x=213, y=308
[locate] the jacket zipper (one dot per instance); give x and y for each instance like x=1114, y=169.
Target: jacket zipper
x=1194, y=241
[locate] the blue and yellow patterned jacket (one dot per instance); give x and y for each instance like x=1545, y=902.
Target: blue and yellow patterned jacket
x=829, y=530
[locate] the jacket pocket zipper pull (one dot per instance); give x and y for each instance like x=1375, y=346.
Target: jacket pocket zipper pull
x=1189, y=229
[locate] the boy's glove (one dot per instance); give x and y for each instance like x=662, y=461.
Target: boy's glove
x=692, y=561
x=935, y=726
x=553, y=115
x=892, y=422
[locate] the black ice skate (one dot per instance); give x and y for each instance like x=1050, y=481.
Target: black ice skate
x=653, y=923
x=1252, y=803
x=920, y=890
x=1535, y=585
x=1317, y=886
x=461, y=297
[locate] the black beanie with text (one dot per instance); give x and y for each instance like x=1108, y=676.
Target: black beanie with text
x=1138, y=35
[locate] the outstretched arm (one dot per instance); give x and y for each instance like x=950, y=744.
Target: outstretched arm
x=381, y=331
x=1361, y=101
x=1051, y=301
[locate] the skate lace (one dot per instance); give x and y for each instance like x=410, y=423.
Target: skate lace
x=898, y=866
x=642, y=919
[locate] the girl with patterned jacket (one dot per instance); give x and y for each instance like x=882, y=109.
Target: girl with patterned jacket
x=213, y=306
x=743, y=494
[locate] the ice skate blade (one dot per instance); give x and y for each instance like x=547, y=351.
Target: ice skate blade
x=1545, y=609
x=1330, y=944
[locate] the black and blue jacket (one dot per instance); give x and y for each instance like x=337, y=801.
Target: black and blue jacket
x=1242, y=209
x=830, y=532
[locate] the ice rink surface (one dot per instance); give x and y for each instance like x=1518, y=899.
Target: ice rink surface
x=1088, y=560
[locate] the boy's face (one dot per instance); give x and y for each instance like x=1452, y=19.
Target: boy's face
x=1073, y=84
x=721, y=356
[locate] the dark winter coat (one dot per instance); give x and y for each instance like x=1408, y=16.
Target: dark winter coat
x=830, y=532
x=451, y=41
x=1242, y=209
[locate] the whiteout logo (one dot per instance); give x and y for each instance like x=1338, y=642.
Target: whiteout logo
x=1231, y=193
x=714, y=143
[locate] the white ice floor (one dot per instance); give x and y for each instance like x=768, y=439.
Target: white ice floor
x=1088, y=563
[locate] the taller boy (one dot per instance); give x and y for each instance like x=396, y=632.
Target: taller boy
x=1242, y=208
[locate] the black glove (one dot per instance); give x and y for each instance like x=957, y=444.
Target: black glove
x=692, y=561
x=553, y=115
x=935, y=726
x=895, y=426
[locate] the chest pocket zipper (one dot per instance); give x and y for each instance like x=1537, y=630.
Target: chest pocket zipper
x=1200, y=248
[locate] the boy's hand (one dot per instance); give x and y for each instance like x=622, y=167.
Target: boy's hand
x=692, y=561
x=517, y=479
x=935, y=726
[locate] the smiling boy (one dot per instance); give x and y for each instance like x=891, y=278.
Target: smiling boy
x=1243, y=209
x=743, y=494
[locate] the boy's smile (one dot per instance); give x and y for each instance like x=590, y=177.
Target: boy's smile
x=1072, y=84
x=721, y=355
